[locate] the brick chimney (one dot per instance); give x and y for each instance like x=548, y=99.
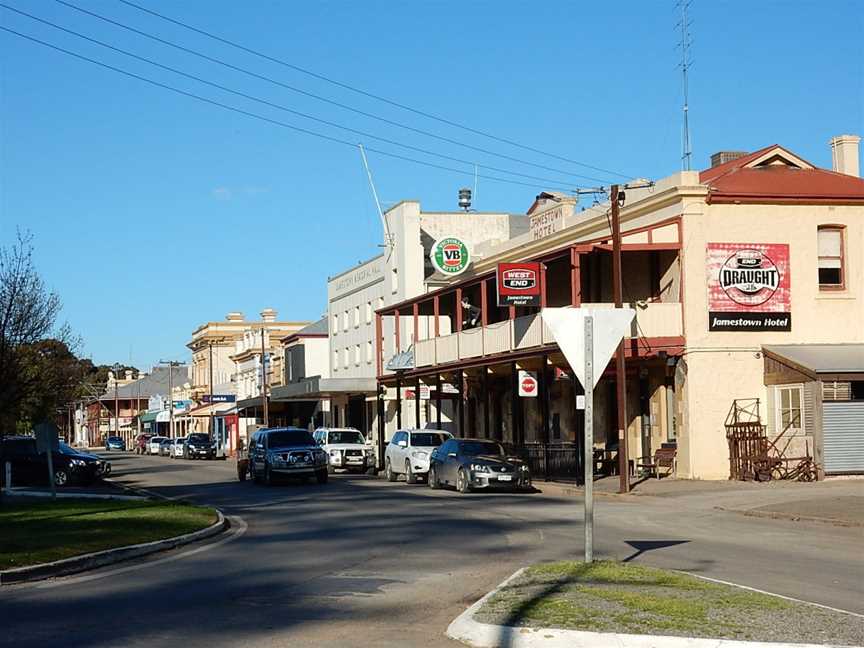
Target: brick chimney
x=844, y=154
x=722, y=157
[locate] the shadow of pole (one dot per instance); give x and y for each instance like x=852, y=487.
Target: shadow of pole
x=641, y=546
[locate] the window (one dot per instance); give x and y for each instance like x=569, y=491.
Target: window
x=347, y=358
x=369, y=352
x=335, y=359
x=356, y=316
x=369, y=312
x=394, y=280
x=380, y=303
x=357, y=354
x=335, y=323
x=345, y=321
x=790, y=410
x=831, y=275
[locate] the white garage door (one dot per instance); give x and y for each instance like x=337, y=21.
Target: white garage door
x=843, y=426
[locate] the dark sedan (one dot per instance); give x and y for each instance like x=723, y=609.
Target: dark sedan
x=199, y=446
x=470, y=464
x=115, y=443
x=30, y=467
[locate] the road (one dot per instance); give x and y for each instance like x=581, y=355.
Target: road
x=364, y=562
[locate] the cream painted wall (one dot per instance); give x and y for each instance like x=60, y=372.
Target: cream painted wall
x=724, y=366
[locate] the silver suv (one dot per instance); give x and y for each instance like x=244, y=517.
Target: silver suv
x=346, y=449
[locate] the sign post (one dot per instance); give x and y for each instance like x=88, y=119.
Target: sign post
x=46, y=441
x=588, y=351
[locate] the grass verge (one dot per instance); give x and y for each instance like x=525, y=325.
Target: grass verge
x=43, y=531
x=625, y=598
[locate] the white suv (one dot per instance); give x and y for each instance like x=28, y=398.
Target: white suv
x=408, y=452
x=346, y=448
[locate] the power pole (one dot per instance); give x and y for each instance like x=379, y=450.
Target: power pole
x=210, y=363
x=264, y=382
x=116, y=367
x=620, y=384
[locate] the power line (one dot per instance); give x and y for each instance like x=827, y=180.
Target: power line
x=261, y=117
x=320, y=97
x=275, y=105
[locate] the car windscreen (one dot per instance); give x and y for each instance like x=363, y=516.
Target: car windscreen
x=197, y=438
x=289, y=438
x=473, y=448
x=428, y=439
x=67, y=450
x=345, y=436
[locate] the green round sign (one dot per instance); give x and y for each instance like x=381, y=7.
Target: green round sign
x=450, y=255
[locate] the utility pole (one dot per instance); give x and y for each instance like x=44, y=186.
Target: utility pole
x=116, y=367
x=210, y=364
x=264, y=381
x=620, y=384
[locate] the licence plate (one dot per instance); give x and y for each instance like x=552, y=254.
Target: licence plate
x=505, y=477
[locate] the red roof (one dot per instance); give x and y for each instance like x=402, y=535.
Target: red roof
x=782, y=177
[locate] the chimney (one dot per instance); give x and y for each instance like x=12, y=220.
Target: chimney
x=722, y=157
x=234, y=316
x=128, y=373
x=844, y=154
x=268, y=315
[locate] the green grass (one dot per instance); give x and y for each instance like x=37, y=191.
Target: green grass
x=608, y=596
x=43, y=531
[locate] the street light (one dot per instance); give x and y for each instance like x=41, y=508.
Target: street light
x=116, y=367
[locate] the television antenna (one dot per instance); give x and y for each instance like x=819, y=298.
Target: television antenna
x=389, y=242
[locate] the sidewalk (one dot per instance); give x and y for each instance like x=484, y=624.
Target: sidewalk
x=836, y=501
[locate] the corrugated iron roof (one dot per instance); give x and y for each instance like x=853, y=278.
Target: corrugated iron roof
x=822, y=358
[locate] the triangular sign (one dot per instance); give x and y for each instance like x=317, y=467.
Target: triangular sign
x=568, y=329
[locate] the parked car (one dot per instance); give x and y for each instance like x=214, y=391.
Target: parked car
x=284, y=452
x=408, y=452
x=199, y=445
x=141, y=442
x=114, y=443
x=165, y=447
x=153, y=444
x=179, y=448
x=346, y=448
x=476, y=463
x=30, y=467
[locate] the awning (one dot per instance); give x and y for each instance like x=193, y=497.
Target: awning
x=840, y=362
x=148, y=417
x=315, y=388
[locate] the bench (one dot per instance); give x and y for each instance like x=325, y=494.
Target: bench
x=664, y=458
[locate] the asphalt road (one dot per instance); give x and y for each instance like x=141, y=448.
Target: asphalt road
x=363, y=562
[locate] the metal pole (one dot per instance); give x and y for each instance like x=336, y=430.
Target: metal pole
x=171, y=399
x=210, y=363
x=417, y=405
x=264, y=382
x=588, y=462
x=620, y=384
x=116, y=411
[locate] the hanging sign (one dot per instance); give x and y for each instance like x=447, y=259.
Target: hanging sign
x=518, y=284
x=749, y=287
x=450, y=256
x=218, y=398
x=528, y=386
x=410, y=393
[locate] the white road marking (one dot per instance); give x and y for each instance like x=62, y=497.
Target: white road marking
x=238, y=528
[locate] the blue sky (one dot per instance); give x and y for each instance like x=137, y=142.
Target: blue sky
x=153, y=213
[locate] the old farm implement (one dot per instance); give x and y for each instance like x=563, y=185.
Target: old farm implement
x=755, y=457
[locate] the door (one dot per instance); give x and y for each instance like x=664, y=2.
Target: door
x=398, y=453
x=843, y=433
x=451, y=462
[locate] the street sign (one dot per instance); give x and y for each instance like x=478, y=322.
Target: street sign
x=410, y=392
x=46, y=437
x=528, y=386
x=218, y=398
x=518, y=284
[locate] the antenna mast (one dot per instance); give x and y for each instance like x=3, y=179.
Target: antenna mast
x=388, y=237
x=686, y=63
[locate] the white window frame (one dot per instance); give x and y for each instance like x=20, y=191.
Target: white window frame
x=779, y=409
x=357, y=316
x=369, y=312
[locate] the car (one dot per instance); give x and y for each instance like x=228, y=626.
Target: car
x=408, y=452
x=470, y=464
x=114, y=443
x=141, y=442
x=284, y=452
x=165, y=447
x=179, y=448
x=199, y=445
x=153, y=444
x=346, y=449
x=30, y=467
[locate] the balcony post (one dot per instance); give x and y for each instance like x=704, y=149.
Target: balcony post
x=575, y=278
x=458, y=310
x=437, y=400
x=417, y=405
x=416, y=313
x=398, y=403
x=542, y=285
x=544, y=414
x=379, y=351
x=485, y=402
x=460, y=387
x=484, y=303
x=396, y=329
x=515, y=405
x=436, y=307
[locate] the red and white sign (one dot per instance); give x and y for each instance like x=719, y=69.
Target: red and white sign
x=749, y=287
x=410, y=392
x=528, y=386
x=518, y=284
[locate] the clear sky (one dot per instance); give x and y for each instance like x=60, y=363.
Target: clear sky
x=153, y=213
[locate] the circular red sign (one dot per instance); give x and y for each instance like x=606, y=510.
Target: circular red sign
x=529, y=384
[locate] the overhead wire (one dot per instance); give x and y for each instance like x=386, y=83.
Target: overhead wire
x=280, y=106
x=262, y=117
x=321, y=98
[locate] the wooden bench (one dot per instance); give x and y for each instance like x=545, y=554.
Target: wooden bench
x=664, y=458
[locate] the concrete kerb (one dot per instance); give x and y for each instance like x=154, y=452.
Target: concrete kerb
x=26, y=492
x=776, y=515
x=485, y=635
x=86, y=562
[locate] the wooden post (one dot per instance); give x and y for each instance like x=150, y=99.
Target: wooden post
x=416, y=313
x=484, y=305
x=436, y=308
x=379, y=343
x=396, y=329
x=575, y=278
x=620, y=372
x=438, y=401
x=398, y=403
x=460, y=386
x=542, y=285
x=515, y=404
x=458, y=310
x=485, y=402
x=417, y=405
x=544, y=414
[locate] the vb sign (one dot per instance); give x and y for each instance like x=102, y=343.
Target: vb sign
x=528, y=386
x=519, y=284
x=450, y=256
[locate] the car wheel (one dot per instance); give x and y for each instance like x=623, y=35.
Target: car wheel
x=321, y=476
x=462, y=483
x=410, y=478
x=433, y=478
x=388, y=472
x=61, y=477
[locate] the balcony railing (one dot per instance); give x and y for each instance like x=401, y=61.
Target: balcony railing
x=652, y=320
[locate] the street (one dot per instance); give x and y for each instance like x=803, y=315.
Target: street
x=364, y=562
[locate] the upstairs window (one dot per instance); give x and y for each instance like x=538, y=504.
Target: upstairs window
x=831, y=261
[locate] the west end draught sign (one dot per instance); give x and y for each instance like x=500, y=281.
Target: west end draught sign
x=749, y=287
x=450, y=256
x=519, y=284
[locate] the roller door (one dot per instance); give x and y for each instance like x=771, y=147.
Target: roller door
x=843, y=429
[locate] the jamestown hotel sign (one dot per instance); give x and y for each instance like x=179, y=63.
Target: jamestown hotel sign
x=749, y=287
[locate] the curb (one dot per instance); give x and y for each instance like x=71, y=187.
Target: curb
x=553, y=489
x=15, y=492
x=485, y=635
x=775, y=515
x=97, y=559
